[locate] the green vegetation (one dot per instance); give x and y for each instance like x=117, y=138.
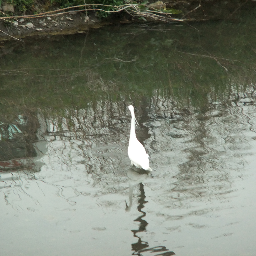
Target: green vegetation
x=67, y=3
x=36, y=6
x=164, y=11
x=108, y=8
x=21, y=5
x=104, y=8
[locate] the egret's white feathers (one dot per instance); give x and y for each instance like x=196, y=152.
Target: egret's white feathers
x=136, y=151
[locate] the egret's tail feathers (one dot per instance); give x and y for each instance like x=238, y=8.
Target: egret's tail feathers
x=149, y=169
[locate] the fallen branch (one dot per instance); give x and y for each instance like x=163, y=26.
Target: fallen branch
x=129, y=8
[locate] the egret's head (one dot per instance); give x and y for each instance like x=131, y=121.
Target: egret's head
x=131, y=108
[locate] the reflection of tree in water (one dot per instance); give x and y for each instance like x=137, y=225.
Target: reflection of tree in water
x=17, y=137
x=199, y=147
x=143, y=246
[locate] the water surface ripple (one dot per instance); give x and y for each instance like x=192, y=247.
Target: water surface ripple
x=66, y=184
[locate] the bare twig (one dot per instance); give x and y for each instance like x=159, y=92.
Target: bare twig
x=64, y=11
x=211, y=57
x=11, y=36
x=129, y=8
x=199, y=5
x=238, y=8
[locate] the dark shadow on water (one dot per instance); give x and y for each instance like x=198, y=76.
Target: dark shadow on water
x=142, y=223
x=162, y=249
x=143, y=246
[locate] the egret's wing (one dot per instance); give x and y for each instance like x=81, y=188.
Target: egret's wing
x=138, y=155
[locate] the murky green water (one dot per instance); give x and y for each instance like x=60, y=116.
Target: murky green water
x=66, y=185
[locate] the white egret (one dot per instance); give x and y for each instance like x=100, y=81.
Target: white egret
x=136, y=151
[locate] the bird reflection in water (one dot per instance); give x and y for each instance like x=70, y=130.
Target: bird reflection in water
x=136, y=177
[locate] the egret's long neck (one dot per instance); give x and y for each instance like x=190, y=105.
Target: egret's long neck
x=132, y=132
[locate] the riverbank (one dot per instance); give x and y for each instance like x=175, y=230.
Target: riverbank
x=72, y=21
x=67, y=23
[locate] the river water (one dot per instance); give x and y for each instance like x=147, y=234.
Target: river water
x=66, y=184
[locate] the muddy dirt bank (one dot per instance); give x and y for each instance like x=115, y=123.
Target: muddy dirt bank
x=73, y=21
